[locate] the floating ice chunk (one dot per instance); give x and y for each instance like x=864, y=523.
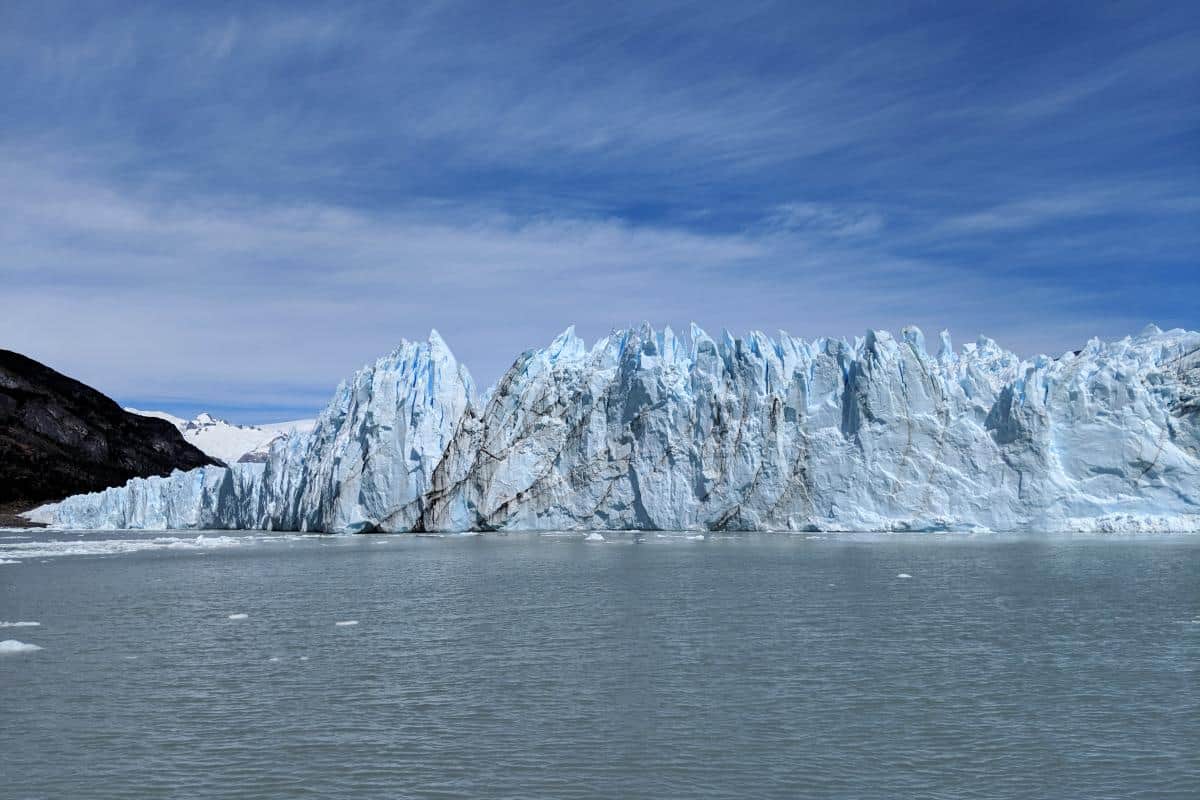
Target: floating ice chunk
x=696, y=537
x=346, y=622
x=8, y=561
x=904, y=575
x=19, y=624
x=238, y=616
x=273, y=659
x=593, y=537
x=12, y=647
x=111, y=547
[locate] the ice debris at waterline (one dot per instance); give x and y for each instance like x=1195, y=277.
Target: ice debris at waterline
x=647, y=430
x=86, y=546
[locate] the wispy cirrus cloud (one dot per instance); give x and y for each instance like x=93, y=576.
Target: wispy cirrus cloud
x=1134, y=197
x=270, y=305
x=826, y=219
x=220, y=205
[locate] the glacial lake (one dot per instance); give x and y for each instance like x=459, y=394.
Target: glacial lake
x=237, y=665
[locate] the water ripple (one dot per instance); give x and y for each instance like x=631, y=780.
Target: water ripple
x=532, y=666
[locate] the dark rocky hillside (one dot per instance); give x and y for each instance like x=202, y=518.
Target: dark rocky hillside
x=59, y=437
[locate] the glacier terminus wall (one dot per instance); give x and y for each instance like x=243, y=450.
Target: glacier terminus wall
x=648, y=430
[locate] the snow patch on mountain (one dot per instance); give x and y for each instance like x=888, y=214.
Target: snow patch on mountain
x=229, y=442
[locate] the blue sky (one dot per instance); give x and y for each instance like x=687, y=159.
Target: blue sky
x=231, y=206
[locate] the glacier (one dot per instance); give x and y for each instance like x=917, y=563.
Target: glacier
x=647, y=430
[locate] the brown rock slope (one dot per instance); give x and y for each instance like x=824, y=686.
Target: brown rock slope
x=59, y=437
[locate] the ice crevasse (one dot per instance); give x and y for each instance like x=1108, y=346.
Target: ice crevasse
x=649, y=430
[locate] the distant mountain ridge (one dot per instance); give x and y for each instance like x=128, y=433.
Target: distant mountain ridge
x=227, y=441
x=60, y=437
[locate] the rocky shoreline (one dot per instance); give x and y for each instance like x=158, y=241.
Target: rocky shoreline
x=10, y=515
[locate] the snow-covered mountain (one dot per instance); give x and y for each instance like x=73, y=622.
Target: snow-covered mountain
x=647, y=430
x=228, y=442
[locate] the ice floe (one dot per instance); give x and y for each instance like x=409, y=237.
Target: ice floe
x=84, y=546
x=12, y=647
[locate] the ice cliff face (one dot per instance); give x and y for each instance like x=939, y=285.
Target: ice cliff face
x=646, y=430
x=365, y=465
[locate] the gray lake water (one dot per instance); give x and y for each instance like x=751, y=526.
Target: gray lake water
x=546, y=666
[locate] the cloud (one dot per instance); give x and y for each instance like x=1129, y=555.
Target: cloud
x=1134, y=197
x=1030, y=213
x=836, y=221
x=224, y=302
x=237, y=205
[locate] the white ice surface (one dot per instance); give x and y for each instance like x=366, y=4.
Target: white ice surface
x=227, y=441
x=104, y=547
x=649, y=430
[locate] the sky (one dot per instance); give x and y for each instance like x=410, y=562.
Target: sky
x=231, y=206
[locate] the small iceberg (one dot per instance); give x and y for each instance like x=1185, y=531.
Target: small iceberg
x=904, y=575
x=346, y=622
x=593, y=537
x=19, y=624
x=238, y=616
x=12, y=646
x=9, y=561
